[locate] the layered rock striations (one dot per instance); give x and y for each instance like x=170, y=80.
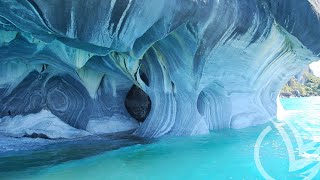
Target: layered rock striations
x=177, y=67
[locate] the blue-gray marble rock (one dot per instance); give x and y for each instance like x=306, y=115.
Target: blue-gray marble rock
x=202, y=64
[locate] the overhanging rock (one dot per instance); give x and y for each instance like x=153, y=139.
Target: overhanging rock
x=209, y=64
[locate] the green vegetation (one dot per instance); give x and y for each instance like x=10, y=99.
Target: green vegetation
x=307, y=85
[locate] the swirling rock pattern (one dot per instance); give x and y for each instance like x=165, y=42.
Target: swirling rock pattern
x=210, y=64
x=68, y=100
x=64, y=96
x=26, y=98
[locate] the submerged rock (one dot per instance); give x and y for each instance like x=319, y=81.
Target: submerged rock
x=113, y=124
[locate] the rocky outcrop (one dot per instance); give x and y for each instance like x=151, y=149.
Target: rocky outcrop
x=40, y=125
x=304, y=84
x=210, y=64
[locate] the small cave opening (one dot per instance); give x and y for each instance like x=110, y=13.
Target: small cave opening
x=138, y=103
x=300, y=92
x=144, y=78
x=143, y=74
x=202, y=102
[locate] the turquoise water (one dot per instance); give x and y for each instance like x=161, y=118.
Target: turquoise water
x=227, y=154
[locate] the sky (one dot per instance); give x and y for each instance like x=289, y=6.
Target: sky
x=315, y=67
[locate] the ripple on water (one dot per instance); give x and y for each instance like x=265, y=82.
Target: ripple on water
x=226, y=154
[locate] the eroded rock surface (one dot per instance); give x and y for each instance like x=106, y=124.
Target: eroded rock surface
x=209, y=64
x=40, y=125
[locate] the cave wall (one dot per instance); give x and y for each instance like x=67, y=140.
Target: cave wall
x=209, y=64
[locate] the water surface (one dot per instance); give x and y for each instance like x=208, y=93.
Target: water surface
x=227, y=154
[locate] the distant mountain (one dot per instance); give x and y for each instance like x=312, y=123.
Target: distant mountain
x=304, y=84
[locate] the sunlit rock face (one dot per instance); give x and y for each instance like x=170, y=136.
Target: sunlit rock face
x=208, y=64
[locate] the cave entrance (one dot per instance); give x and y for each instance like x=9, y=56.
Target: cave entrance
x=137, y=102
x=301, y=93
x=299, y=107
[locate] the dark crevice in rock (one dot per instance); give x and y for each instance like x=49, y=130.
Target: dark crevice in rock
x=173, y=86
x=39, y=11
x=36, y=135
x=201, y=103
x=144, y=78
x=138, y=103
x=118, y=10
x=44, y=67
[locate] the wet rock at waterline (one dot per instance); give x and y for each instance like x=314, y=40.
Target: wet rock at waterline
x=39, y=125
x=36, y=135
x=181, y=67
